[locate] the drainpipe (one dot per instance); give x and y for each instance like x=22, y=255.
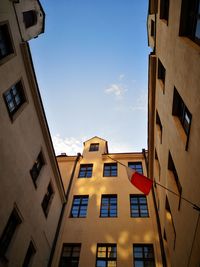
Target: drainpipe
x=164, y=262
x=62, y=211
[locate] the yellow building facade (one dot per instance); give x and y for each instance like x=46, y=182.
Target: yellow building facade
x=31, y=190
x=106, y=221
x=174, y=124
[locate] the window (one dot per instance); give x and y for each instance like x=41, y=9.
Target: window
x=138, y=204
x=70, y=255
x=137, y=166
x=47, y=199
x=110, y=169
x=161, y=72
x=143, y=255
x=30, y=18
x=106, y=255
x=79, y=207
x=108, y=206
x=159, y=126
x=94, y=147
x=152, y=28
x=5, y=42
x=85, y=171
x=29, y=255
x=157, y=166
x=180, y=110
x=190, y=20
x=9, y=231
x=164, y=9
x=35, y=171
x=14, y=98
x=172, y=168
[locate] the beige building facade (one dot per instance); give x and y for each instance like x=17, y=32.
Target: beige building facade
x=174, y=125
x=31, y=190
x=106, y=221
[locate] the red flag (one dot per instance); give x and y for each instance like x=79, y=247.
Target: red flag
x=142, y=183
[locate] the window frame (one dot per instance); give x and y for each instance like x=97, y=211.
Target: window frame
x=11, y=53
x=180, y=111
x=37, y=167
x=29, y=18
x=139, y=205
x=159, y=126
x=111, y=168
x=79, y=206
x=47, y=199
x=29, y=255
x=9, y=231
x=136, y=163
x=71, y=257
x=109, y=207
x=144, y=258
x=107, y=246
x=161, y=74
x=19, y=87
x=164, y=10
x=189, y=18
x=94, y=147
x=86, y=172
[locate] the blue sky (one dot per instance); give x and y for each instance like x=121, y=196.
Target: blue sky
x=91, y=65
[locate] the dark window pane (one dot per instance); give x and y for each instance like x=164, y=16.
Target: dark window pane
x=47, y=199
x=138, y=206
x=110, y=169
x=94, y=147
x=5, y=42
x=30, y=18
x=70, y=255
x=29, y=255
x=137, y=166
x=85, y=171
x=37, y=166
x=143, y=255
x=106, y=255
x=101, y=263
x=14, y=98
x=7, y=235
x=79, y=207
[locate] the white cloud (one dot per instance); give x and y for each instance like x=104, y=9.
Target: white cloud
x=70, y=146
x=116, y=89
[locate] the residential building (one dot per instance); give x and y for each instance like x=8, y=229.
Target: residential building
x=106, y=221
x=174, y=125
x=31, y=190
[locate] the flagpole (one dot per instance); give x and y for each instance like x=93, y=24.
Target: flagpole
x=188, y=201
x=196, y=207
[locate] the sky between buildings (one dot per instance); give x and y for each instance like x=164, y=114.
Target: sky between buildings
x=91, y=64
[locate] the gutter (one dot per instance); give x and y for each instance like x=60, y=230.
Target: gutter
x=62, y=212
x=162, y=249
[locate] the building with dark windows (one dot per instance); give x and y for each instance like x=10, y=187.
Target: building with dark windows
x=106, y=221
x=174, y=126
x=31, y=191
